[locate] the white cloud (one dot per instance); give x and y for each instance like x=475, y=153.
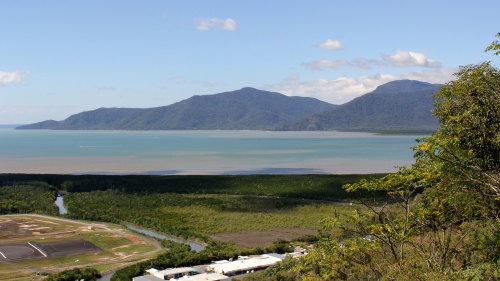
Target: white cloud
x=12, y=77
x=343, y=89
x=331, y=45
x=409, y=58
x=207, y=24
x=322, y=64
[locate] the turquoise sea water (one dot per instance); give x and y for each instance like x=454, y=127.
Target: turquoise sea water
x=200, y=152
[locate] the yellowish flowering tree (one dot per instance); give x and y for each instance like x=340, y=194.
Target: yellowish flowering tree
x=441, y=216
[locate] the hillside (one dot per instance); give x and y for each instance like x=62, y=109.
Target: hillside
x=397, y=105
x=244, y=109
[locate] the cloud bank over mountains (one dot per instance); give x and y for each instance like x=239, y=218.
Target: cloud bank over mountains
x=399, y=59
x=338, y=90
x=342, y=89
x=409, y=58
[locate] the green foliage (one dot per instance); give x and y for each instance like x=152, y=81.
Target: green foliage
x=198, y=215
x=321, y=187
x=495, y=46
x=334, y=260
x=29, y=197
x=87, y=274
x=279, y=272
x=467, y=145
x=441, y=217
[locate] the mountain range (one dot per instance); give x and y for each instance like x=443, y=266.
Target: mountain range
x=397, y=105
x=244, y=109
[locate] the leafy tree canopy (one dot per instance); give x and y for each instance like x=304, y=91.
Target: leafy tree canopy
x=441, y=219
x=495, y=46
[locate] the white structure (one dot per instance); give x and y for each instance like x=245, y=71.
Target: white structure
x=245, y=264
x=146, y=278
x=204, y=277
x=218, y=271
x=171, y=273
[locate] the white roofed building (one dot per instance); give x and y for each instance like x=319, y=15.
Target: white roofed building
x=212, y=276
x=245, y=264
x=171, y=273
x=146, y=278
x=217, y=271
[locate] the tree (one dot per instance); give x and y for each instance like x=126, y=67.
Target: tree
x=495, y=46
x=467, y=144
x=441, y=217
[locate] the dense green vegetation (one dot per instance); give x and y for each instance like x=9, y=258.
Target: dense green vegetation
x=244, y=109
x=399, y=105
x=322, y=187
x=199, y=215
x=30, y=197
x=441, y=220
x=88, y=274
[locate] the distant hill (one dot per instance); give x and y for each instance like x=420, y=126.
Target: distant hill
x=244, y=109
x=397, y=105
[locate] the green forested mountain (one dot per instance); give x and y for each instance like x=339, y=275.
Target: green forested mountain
x=397, y=105
x=244, y=109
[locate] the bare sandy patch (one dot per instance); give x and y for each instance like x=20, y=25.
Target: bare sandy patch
x=44, y=221
x=261, y=238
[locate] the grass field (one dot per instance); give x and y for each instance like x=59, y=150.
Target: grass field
x=118, y=246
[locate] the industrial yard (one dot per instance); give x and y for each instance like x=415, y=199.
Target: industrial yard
x=32, y=246
x=222, y=270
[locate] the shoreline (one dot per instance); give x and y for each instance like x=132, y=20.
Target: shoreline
x=97, y=167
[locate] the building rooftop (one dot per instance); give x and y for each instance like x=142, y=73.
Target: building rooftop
x=146, y=278
x=204, y=277
x=246, y=264
x=171, y=271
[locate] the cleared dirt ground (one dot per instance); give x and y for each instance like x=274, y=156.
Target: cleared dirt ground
x=38, y=244
x=261, y=238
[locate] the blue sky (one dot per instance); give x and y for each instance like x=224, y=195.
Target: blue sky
x=62, y=57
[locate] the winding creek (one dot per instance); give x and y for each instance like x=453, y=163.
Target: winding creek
x=60, y=203
x=194, y=246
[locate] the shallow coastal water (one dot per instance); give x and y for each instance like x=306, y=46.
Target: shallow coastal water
x=200, y=152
